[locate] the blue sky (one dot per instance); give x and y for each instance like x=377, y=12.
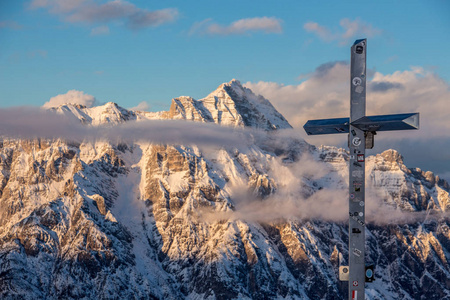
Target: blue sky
x=44, y=53
x=295, y=53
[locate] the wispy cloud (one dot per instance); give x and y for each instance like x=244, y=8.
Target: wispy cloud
x=93, y=12
x=73, y=97
x=100, y=30
x=357, y=27
x=18, y=56
x=349, y=30
x=290, y=200
x=142, y=106
x=38, y=53
x=11, y=25
x=319, y=30
x=391, y=59
x=242, y=26
x=30, y=123
x=293, y=199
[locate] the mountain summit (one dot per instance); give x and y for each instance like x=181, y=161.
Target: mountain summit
x=233, y=104
x=230, y=104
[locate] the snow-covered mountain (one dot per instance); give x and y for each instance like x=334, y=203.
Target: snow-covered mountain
x=109, y=113
x=96, y=220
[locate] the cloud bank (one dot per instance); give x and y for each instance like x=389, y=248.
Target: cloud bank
x=349, y=30
x=294, y=199
x=242, y=26
x=30, y=123
x=73, y=97
x=325, y=94
x=93, y=12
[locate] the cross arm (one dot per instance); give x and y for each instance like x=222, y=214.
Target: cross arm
x=368, y=123
x=327, y=126
x=388, y=122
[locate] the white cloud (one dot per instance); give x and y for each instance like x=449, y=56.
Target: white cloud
x=325, y=94
x=100, y=30
x=242, y=26
x=73, y=97
x=91, y=12
x=143, y=106
x=350, y=29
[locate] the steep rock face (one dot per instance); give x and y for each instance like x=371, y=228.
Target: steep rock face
x=230, y=104
x=233, y=104
x=187, y=108
x=403, y=188
x=148, y=221
x=408, y=189
x=56, y=240
x=222, y=258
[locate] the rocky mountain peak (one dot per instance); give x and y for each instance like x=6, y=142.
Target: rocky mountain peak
x=392, y=156
x=187, y=108
x=230, y=104
x=391, y=161
x=235, y=105
x=232, y=89
x=111, y=113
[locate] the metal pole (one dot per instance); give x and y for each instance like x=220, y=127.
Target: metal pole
x=357, y=147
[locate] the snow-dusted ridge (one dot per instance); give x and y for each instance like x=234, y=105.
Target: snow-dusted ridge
x=97, y=220
x=109, y=113
x=230, y=104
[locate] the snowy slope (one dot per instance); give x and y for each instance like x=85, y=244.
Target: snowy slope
x=150, y=221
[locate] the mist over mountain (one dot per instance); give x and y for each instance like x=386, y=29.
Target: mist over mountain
x=236, y=206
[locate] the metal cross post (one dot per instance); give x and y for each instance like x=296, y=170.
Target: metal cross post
x=361, y=130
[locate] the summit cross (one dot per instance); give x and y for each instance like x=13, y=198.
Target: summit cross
x=361, y=130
